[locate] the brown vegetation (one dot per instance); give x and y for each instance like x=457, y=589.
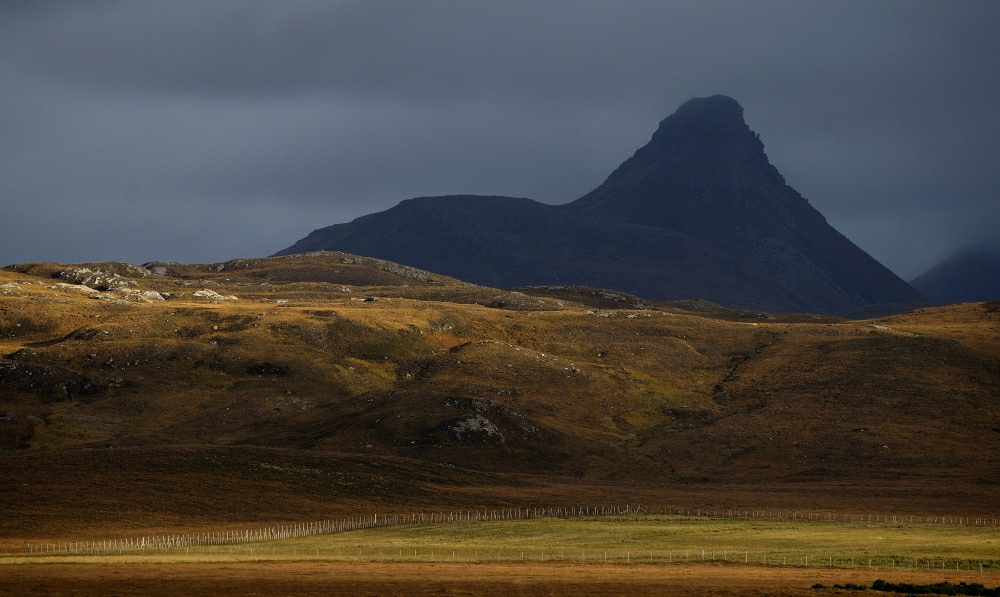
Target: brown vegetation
x=334, y=383
x=325, y=578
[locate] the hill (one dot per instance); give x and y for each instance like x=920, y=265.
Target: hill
x=506, y=242
x=970, y=275
x=283, y=388
x=698, y=212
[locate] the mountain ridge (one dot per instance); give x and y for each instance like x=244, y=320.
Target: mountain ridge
x=541, y=244
x=969, y=275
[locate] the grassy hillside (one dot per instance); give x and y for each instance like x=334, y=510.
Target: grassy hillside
x=309, y=384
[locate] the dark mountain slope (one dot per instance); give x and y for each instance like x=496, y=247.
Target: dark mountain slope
x=971, y=275
x=507, y=242
x=696, y=213
x=705, y=173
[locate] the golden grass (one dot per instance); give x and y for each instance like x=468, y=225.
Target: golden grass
x=643, y=539
x=716, y=409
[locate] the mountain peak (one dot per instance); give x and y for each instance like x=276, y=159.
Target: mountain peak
x=709, y=111
x=702, y=163
x=710, y=135
x=704, y=173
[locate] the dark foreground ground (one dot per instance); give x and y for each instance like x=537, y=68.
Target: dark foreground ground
x=80, y=495
x=333, y=579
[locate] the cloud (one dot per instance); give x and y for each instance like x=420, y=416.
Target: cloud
x=245, y=114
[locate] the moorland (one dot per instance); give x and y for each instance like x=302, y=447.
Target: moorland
x=173, y=398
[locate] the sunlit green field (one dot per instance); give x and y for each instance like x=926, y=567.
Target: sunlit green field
x=635, y=539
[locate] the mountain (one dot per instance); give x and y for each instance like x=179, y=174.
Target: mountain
x=508, y=242
x=705, y=174
x=970, y=275
x=698, y=212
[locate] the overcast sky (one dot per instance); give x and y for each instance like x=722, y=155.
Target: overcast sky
x=203, y=131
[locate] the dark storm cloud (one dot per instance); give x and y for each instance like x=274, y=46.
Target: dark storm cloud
x=203, y=131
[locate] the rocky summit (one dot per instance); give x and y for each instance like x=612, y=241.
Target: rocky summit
x=698, y=212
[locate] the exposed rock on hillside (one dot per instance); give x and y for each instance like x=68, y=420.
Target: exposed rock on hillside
x=213, y=295
x=476, y=428
x=97, y=279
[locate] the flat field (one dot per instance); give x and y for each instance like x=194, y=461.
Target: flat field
x=653, y=539
x=615, y=539
x=307, y=578
x=636, y=555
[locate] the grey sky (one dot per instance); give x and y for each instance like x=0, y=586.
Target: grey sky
x=203, y=131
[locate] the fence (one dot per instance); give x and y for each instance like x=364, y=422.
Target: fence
x=140, y=544
x=831, y=517
x=272, y=533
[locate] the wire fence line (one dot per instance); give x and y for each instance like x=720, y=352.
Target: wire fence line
x=326, y=527
x=152, y=543
x=577, y=555
x=832, y=516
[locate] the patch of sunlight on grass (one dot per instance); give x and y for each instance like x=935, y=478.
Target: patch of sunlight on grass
x=631, y=539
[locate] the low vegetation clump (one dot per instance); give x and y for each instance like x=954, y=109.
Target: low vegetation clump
x=941, y=588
